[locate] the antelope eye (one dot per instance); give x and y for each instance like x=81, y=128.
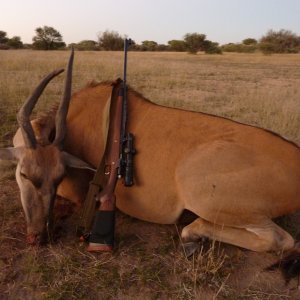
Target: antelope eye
x=23, y=175
x=36, y=182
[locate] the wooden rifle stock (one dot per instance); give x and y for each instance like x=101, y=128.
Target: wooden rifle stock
x=102, y=235
x=117, y=162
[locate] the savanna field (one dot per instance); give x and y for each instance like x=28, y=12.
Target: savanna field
x=148, y=261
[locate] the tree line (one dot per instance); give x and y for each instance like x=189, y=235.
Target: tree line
x=48, y=38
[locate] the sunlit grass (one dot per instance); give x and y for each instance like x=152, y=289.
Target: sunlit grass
x=148, y=261
x=251, y=88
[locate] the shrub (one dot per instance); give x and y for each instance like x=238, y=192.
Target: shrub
x=4, y=47
x=194, y=42
x=282, y=41
x=212, y=48
x=240, y=48
x=86, y=45
x=47, y=38
x=15, y=42
x=110, y=40
x=177, y=45
x=249, y=41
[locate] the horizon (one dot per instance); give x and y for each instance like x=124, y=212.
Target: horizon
x=224, y=22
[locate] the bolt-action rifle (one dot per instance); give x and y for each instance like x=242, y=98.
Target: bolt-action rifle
x=118, y=163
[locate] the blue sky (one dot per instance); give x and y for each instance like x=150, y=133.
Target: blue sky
x=222, y=21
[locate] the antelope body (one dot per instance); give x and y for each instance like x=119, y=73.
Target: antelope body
x=234, y=177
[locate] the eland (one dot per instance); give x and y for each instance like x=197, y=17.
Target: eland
x=234, y=177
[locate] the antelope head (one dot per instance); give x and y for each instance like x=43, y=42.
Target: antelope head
x=41, y=167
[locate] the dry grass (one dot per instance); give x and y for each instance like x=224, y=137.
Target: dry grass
x=255, y=89
x=148, y=262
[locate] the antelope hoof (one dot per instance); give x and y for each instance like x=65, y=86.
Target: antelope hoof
x=190, y=248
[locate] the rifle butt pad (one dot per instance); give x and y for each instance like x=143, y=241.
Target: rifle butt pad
x=102, y=235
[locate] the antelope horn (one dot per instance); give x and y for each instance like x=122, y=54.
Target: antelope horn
x=23, y=116
x=61, y=116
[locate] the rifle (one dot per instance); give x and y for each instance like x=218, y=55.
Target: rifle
x=127, y=150
x=118, y=163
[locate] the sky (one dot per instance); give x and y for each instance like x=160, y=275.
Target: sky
x=222, y=21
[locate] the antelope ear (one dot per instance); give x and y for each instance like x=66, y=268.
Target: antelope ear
x=10, y=153
x=75, y=162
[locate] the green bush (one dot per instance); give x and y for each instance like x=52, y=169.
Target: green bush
x=240, y=48
x=212, y=48
x=3, y=37
x=282, y=41
x=86, y=45
x=177, y=45
x=15, y=43
x=194, y=42
x=110, y=40
x=149, y=46
x=47, y=38
x=267, y=48
x=249, y=41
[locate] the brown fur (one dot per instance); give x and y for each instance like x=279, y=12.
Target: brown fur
x=234, y=177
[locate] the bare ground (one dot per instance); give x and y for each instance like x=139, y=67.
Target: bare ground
x=148, y=263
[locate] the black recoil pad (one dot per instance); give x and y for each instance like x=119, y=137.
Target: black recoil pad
x=103, y=228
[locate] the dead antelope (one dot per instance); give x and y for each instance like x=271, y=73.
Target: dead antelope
x=236, y=178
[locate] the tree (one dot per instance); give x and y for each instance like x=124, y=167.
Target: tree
x=240, y=48
x=3, y=37
x=149, y=46
x=86, y=45
x=211, y=47
x=15, y=43
x=111, y=40
x=249, y=41
x=47, y=38
x=282, y=41
x=177, y=45
x=162, y=47
x=194, y=42
x=267, y=47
